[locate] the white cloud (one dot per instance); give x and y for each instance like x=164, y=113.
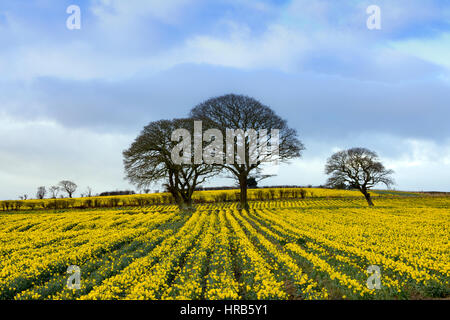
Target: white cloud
x=278, y=47
x=69, y=61
x=435, y=50
x=420, y=152
x=113, y=13
x=424, y=165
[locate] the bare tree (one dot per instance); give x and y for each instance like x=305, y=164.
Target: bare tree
x=89, y=192
x=149, y=161
x=54, y=190
x=357, y=168
x=68, y=186
x=23, y=197
x=41, y=192
x=243, y=114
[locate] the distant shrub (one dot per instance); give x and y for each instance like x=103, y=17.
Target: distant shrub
x=17, y=205
x=116, y=193
x=167, y=198
x=220, y=197
x=7, y=205
x=32, y=205
x=303, y=193
x=98, y=203
x=141, y=201
x=259, y=195
x=88, y=203
x=199, y=199
x=272, y=194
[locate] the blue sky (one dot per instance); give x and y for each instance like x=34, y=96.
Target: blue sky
x=72, y=100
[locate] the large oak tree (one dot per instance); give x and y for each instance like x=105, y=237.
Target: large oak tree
x=242, y=114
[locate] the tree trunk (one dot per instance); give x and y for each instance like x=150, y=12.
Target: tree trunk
x=187, y=203
x=243, y=195
x=183, y=200
x=368, y=198
x=185, y=207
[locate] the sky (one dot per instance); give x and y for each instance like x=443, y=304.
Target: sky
x=72, y=100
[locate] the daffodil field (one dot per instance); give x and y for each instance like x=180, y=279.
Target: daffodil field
x=282, y=249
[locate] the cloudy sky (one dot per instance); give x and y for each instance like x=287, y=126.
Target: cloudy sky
x=72, y=100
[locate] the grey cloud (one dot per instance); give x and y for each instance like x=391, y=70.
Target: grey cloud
x=317, y=105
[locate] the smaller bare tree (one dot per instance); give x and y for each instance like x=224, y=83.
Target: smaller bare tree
x=358, y=168
x=41, y=192
x=54, y=190
x=23, y=197
x=68, y=186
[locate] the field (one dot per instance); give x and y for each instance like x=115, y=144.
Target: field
x=313, y=248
